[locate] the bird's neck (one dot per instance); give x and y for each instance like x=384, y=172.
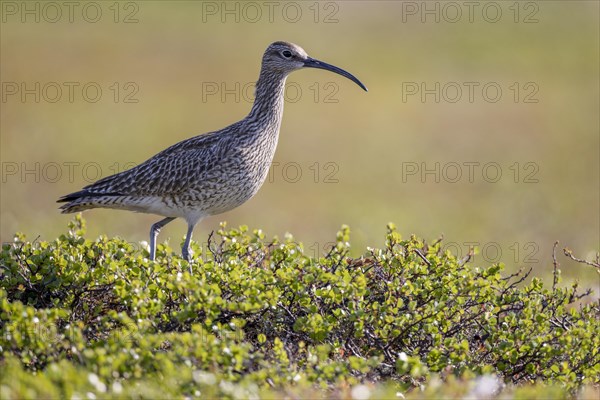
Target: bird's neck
x=267, y=109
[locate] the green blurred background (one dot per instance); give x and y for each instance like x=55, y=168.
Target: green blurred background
x=355, y=150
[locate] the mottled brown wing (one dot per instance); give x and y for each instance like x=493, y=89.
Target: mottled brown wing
x=169, y=172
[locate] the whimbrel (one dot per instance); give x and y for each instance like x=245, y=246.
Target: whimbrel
x=211, y=173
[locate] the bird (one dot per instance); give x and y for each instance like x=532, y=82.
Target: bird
x=211, y=173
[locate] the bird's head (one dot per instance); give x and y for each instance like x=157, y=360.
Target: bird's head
x=284, y=57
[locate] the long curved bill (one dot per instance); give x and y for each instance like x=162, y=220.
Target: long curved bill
x=312, y=63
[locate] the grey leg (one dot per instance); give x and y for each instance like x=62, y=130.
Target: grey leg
x=185, y=250
x=154, y=231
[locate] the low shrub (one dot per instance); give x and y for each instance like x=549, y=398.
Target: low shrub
x=253, y=317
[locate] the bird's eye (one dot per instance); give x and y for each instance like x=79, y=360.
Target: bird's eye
x=286, y=54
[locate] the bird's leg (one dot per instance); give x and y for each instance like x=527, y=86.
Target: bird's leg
x=154, y=231
x=185, y=249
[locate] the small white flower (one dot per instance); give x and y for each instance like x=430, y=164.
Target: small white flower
x=486, y=387
x=360, y=392
x=117, y=387
x=97, y=383
x=204, y=377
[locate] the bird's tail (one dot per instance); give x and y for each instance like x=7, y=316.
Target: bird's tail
x=82, y=200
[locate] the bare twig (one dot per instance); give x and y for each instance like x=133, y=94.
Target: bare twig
x=595, y=264
x=438, y=240
x=468, y=257
x=509, y=277
x=422, y=257
x=556, y=265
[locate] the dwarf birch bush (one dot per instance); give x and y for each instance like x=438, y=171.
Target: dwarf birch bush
x=251, y=317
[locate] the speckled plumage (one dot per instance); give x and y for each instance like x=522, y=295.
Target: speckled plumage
x=211, y=173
